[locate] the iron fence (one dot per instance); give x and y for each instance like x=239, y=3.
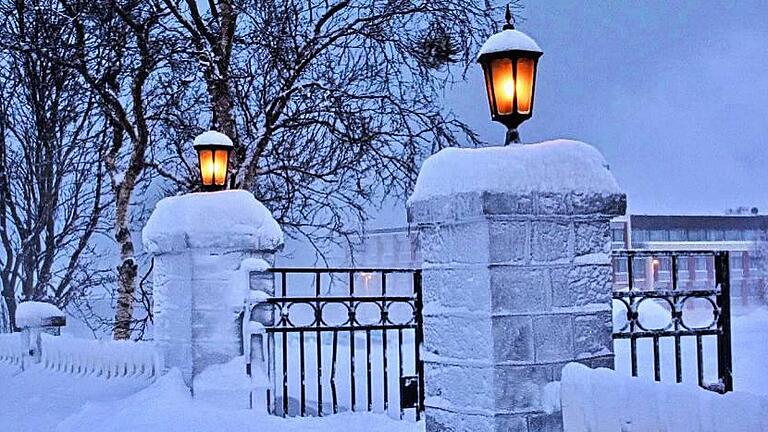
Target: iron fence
x=664, y=301
x=346, y=339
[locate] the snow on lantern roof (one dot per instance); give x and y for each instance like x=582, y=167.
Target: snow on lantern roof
x=231, y=219
x=509, y=40
x=212, y=138
x=558, y=166
x=39, y=314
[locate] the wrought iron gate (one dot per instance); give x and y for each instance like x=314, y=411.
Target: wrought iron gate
x=346, y=339
x=686, y=285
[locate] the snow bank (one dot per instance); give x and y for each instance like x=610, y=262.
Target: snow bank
x=598, y=400
x=38, y=314
x=558, y=166
x=509, y=40
x=231, y=219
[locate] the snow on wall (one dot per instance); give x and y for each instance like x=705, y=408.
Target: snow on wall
x=100, y=358
x=558, y=166
x=10, y=348
x=231, y=219
x=597, y=400
x=36, y=314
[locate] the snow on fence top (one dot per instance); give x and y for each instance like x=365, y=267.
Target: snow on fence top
x=509, y=40
x=558, y=166
x=10, y=348
x=38, y=314
x=105, y=359
x=226, y=219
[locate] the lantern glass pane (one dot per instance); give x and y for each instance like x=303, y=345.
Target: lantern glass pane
x=220, y=166
x=524, y=85
x=503, y=85
x=206, y=166
x=488, y=88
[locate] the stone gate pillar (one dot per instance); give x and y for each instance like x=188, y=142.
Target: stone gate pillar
x=201, y=243
x=516, y=279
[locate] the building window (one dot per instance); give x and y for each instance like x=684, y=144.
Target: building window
x=640, y=235
x=617, y=234
x=678, y=235
x=697, y=235
x=620, y=265
x=659, y=235
x=734, y=235
x=638, y=269
x=715, y=235
x=701, y=263
x=682, y=264
x=737, y=262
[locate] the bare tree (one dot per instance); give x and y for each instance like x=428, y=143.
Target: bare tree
x=331, y=105
x=123, y=58
x=51, y=191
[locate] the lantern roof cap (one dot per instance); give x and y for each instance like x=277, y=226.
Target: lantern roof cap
x=509, y=40
x=212, y=137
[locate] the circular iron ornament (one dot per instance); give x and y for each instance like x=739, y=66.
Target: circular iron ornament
x=715, y=314
x=629, y=314
x=412, y=314
x=345, y=310
x=637, y=319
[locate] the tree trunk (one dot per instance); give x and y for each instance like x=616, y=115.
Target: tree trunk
x=127, y=270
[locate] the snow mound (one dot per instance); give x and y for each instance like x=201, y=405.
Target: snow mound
x=38, y=314
x=228, y=219
x=509, y=40
x=603, y=400
x=558, y=166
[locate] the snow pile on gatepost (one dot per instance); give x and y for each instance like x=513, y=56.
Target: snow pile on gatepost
x=557, y=166
x=601, y=400
x=226, y=219
x=38, y=314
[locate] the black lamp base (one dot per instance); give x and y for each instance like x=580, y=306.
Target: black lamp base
x=513, y=137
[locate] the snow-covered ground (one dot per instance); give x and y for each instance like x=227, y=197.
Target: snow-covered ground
x=39, y=400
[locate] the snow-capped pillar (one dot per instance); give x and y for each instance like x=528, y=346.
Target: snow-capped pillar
x=201, y=243
x=515, y=244
x=33, y=319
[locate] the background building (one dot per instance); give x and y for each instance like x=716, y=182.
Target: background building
x=742, y=235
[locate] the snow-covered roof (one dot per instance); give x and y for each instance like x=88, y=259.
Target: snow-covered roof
x=509, y=40
x=231, y=219
x=38, y=314
x=557, y=166
x=212, y=138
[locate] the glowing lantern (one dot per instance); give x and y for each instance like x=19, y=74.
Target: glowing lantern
x=509, y=60
x=213, y=149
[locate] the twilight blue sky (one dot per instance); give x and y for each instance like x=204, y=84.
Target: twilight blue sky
x=673, y=93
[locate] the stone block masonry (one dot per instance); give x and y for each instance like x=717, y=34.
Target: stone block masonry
x=516, y=249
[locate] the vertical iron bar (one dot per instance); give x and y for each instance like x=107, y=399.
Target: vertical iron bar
x=319, y=346
x=656, y=359
x=384, y=341
x=285, y=373
x=303, y=401
x=333, y=372
x=352, y=341
x=633, y=354
x=630, y=275
x=419, y=340
x=400, y=367
x=674, y=272
x=678, y=361
x=724, y=353
x=699, y=361
x=270, y=374
x=284, y=291
x=368, y=368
